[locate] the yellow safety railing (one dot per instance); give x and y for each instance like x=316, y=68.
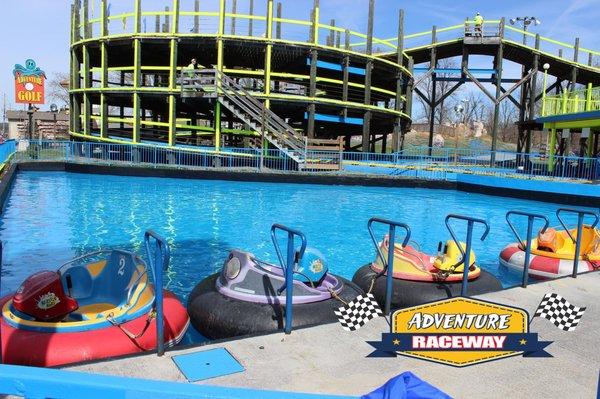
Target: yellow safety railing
x=564, y=51
x=192, y=23
x=572, y=102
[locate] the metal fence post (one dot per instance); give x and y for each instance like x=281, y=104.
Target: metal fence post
x=466, y=255
x=580, y=217
x=389, y=265
x=530, y=220
x=289, y=269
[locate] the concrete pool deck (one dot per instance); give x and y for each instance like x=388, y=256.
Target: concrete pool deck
x=327, y=359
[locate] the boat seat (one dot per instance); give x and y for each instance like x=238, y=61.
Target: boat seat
x=109, y=286
x=112, y=284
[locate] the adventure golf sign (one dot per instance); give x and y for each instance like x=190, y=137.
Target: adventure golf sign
x=29, y=83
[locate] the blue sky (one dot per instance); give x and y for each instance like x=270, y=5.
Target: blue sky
x=39, y=29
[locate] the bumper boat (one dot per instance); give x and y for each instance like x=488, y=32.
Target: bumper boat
x=420, y=278
x=243, y=298
x=553, y=253
x=96, y=306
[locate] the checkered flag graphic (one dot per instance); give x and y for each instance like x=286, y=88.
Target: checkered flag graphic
x=358, y=312
x=560, y=312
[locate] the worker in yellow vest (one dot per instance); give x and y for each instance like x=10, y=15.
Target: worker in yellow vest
x=478, y=21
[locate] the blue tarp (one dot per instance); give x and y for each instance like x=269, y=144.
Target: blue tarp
x=406, y=386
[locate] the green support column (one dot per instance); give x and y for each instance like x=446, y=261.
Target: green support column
x=366, y=131
x=173, y=76
x=137, y=56
x=312, y=89
x=137, y=72
x=399, y=83
x=552, y=145
x=346, y=71
x=268, y=53
x=104, y=71
x=498, y=67
x=75, y=98
x=87, y=105
x=86, y=25
x=219, y=69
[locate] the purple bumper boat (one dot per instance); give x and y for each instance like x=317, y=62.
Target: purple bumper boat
x=242, y=299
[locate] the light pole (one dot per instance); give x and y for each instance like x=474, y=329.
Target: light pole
x=461, y=115
x=546, y=66
x=525, y=22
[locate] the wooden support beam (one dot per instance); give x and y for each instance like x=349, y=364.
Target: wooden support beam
x=86, y=19
x=314, y=31
x=345, y=71
x=331, y=36
x=408, y=93
x=400, y=85
x=422, y=95
x=137, y=18
x=103, y=18
x=511, y=98
x=278, y=24
x=268, y=52
x=482, y=87
x=103, y=85
x=366, y=131
x=498, y=68
x=137, y=68
x=432, y=66
x=167, y=25
x=251, y=21
x=532, y=92
x=575, y=68
x=196, y=16
x=233, y=11
x=87, y=84
x=312, y=90
x=217, y=110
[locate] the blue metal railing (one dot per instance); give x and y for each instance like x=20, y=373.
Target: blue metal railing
x=388, y=267
x=530, y=219
x=7, y=149
x=158, y=257
x=466, y=253
x=414, y=162
x=36, y=383
x=288, y=266
x=577, y=241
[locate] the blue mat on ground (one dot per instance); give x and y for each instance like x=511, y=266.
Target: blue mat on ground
x=207, y=364
x=406, y=386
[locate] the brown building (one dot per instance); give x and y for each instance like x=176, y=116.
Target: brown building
x=46, y=125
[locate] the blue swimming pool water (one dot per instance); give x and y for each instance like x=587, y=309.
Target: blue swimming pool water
x=51, y=217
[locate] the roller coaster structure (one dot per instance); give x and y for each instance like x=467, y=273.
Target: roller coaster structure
x=313, y=80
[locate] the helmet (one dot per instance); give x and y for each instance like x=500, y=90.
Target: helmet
x=478, y=14
x=311, y=267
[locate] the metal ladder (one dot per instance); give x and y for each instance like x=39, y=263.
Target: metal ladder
x=212, y=83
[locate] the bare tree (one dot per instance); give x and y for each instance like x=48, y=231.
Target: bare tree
x=443, y=110
x=58, y=88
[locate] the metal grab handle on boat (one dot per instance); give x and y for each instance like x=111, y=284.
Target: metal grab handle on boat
x=159, y=261
x=581, y=213
x=466, y=253
x=530, y=219
x=288, y=267
x=389, y=265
